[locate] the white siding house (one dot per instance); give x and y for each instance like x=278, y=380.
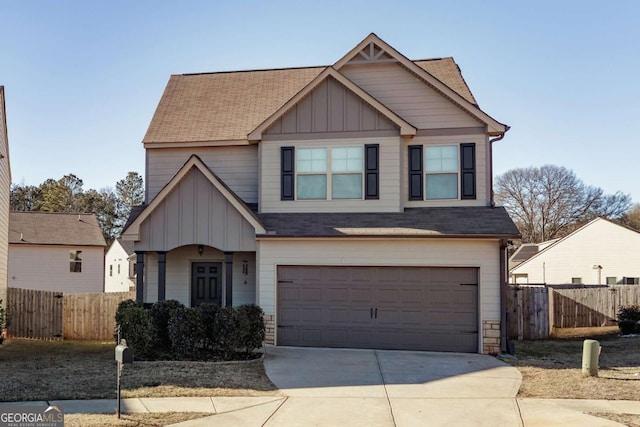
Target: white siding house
x=56, y=252
x=600, y=252
x=118, y=267
x=5, y=186
x=352, y=202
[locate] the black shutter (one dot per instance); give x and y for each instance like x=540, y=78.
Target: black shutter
x=287, y=159
x=371, y=172
x=468, y=171
x=416, y=177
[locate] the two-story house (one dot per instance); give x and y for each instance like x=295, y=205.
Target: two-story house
x=352, y=202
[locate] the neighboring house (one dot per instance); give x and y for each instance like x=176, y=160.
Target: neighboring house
x=118, y=267
x=5, y=189
x=352, y=202
x=56, y=252
x=600, y=252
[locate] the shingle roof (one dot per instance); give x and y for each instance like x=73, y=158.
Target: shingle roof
x=445, y=221
x=127, y=245
x=45, y=228
x=229, y=105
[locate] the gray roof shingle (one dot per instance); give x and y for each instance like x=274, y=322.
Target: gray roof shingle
x=443, y=221
x=46, y=228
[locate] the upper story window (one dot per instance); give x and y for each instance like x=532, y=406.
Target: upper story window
x=75, y=261
x=442, y=172
x=330, y=173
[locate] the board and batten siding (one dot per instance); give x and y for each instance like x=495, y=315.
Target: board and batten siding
x=46, y=268
x=178, y=279
x=195, y=212
x=389, y=164
x=600, y=243
x=408, y=96
x=237, y=166
x=5, y=186
x=483, y=189
x=482, y=254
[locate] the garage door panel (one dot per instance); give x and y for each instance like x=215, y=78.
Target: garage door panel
x=418, y=308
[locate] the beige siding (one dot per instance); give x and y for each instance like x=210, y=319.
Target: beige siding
x=483, y=195
x=116, y=270
x=408, y=96
x=237, y=166
x=5, y=185
x=46, y=268
x=389, y=178
x=368, y=252
x=178, y=280
x=330, y=107
x=195, y=212
x=603, y=243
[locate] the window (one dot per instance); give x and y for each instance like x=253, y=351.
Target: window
x=442, y=172
x=338, y=169
x=612, y=280
x=631, y=280
x=576, y=280
x=110, y=270
x=441, y=169
x=75, y=261
x=118, y=268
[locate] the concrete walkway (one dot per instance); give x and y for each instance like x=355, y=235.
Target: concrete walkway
x=327, y=387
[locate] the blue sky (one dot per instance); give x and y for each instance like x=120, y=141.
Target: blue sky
x=83, y=78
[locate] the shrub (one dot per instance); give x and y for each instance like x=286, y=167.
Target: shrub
x=187, y=335
x=251, y=328
x=4, y=323
x=162, y=312
x=629, y=319
x=137, y=327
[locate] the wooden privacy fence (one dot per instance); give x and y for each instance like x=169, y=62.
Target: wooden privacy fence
x=535, y=310
x=54, y=316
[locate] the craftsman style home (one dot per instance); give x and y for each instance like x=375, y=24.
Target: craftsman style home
x=352, y=202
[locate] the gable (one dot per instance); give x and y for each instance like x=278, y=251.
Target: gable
x=331, y=107
x=195, y=212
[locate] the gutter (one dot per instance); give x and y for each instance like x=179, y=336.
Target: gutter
x=503, y=295
x=383, y=236
x=491, y=141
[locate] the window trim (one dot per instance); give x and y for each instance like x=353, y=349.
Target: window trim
x=75, y=261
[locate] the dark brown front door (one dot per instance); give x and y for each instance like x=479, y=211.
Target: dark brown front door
x=401, y=308
x=206, y=283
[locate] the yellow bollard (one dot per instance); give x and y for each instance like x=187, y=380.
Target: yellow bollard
x=590, y=358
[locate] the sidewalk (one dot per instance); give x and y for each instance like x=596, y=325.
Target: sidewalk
x=281, y=410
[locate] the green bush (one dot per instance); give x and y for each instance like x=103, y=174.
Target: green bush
x=629, y=319
x=3, y=321
x=187, y=334
x=161, y=312
x=251, y=327
x=138, y=328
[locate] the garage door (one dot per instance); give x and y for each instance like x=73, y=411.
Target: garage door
x=402, y=308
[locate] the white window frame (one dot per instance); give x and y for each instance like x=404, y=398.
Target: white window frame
x=75, y=260
x=426, y=173
x=328, y=173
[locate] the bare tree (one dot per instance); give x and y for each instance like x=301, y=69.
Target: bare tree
x=632, y=217
x=550, y=201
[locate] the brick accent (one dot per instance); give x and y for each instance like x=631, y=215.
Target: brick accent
x=491, y=336
x=270, y=324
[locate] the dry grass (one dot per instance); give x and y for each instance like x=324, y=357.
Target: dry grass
x=42, y=370
x=130, y=420
x=552, y=368
x=630, y=420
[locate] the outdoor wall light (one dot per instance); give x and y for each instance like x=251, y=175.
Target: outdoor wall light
x=200, y=250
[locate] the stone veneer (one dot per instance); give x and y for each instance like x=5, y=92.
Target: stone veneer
x=491, y=336
x=270, y=325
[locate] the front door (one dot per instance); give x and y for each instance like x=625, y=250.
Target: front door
x=206, y=283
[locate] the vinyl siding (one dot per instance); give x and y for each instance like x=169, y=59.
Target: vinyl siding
x=408, y=96
x=389, y=177
x=46, y=268
x=178, y=280
x=5, y=186
x=195, y=212
x=117, y=282
x=483, y=192
x=483, y=254
x=237, y=166
x=615, y=248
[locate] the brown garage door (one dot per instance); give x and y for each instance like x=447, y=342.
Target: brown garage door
x=402, y=308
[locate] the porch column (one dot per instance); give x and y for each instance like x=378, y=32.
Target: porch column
x=139, y=276
x=228, y=274
x=162, y=275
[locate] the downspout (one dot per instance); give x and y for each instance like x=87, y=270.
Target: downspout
x=503, y=295
x=492, y=203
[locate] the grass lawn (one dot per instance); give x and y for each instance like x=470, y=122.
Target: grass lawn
x=130, y=420
x=44, y=370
